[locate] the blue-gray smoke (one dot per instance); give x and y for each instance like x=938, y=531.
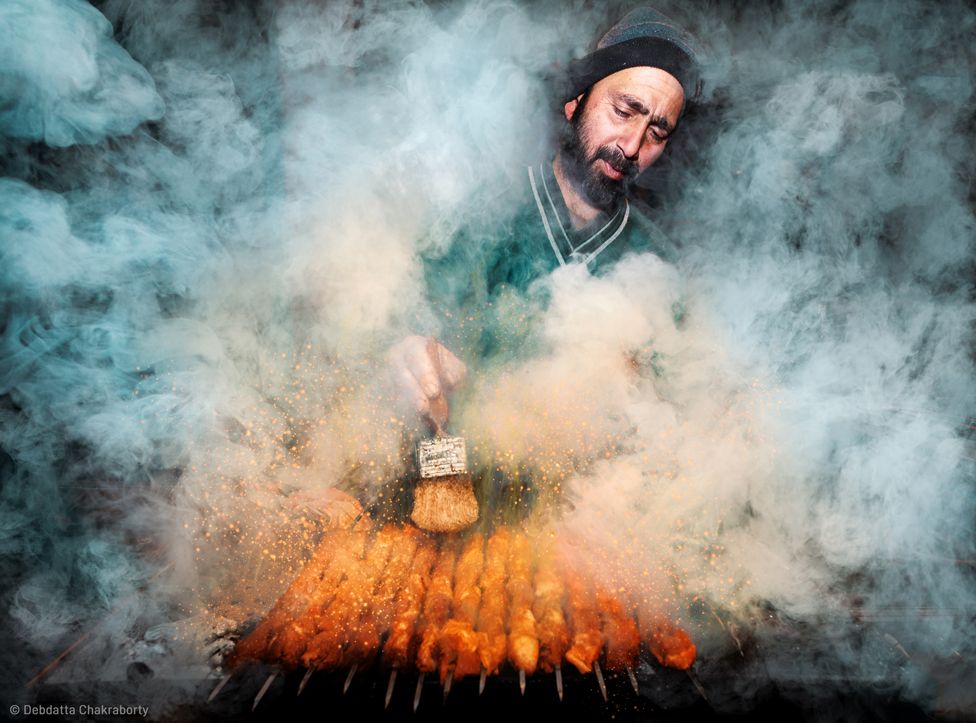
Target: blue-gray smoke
x=211, y=216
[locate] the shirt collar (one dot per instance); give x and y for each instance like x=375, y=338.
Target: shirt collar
x=571, y=245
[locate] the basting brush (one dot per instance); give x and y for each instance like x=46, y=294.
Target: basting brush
x=444, y=498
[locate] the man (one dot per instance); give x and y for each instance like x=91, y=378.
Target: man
x=623, y=103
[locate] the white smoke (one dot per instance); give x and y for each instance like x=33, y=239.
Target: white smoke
x=211, y=227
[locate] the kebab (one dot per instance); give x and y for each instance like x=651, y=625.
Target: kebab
x=437, y=608
x=363, y=640
x=459, y=642
x=283, y=639
x=620, y=634
x=491, y=620
x=376, y=620
x=399, y=647
x=523, y=640
x=326, y=562
x=332, y=631
x=587, y=640
x=669, y=644
x=289, y=645
x=548, y=608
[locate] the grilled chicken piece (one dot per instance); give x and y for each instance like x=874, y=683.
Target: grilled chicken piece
x=398, y=650
x=334, y=625
x=671, y=645
x=375, y=619
x=459, y=642
x=437, y=607
x=284, y=632
x=619, y=632
x=587, y=638
x=492, y=641
x=290, y=645
x=523, y=640
x=551, y=622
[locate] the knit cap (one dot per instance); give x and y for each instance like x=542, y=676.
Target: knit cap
x=643, y=37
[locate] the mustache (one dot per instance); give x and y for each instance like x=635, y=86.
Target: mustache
x=615, y=157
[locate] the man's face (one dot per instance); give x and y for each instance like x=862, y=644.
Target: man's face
x=618, y=129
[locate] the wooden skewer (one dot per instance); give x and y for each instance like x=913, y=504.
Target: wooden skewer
x=46, y=670
x=633, y=680
x=352, y=672
x=599, y=680
x=389, y=689
x=305, y=679
x=448, y=682
x=264, y=689
x=698, y=685
x=522, y=681
x=559, y=682
x=416, y=695
x=219, y=687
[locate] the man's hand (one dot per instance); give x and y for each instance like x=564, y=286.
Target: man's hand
x=333, y=508
x=425, y=372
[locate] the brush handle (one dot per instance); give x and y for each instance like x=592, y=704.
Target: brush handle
x=437, y=416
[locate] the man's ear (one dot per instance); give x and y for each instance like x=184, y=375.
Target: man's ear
x=570, y=108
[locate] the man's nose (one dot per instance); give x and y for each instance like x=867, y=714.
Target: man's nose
x=630, y=141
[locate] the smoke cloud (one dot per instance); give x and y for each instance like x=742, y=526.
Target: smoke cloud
x=213, y=224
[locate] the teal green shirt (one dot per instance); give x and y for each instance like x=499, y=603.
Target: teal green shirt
x=482, y=286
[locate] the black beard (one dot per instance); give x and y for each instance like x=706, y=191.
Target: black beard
x=582, y=171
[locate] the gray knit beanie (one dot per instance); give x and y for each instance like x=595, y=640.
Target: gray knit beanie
x=643, y=37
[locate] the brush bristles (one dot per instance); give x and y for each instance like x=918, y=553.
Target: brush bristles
x=444, y=504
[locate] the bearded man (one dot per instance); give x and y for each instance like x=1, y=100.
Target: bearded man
x=623, y=104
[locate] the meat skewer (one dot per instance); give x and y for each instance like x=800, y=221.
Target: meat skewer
x=339, y=622
x=349, y=677
x=459, y=642
x=492, y=640
x=669, y=644
x=633, y=680
x=398, y=649
x=389, y=689
x=290, y=605
x=587, y=640
x=305, y=679
x=619, y=631
x=376, y=614
x=219, y=687
x=418, y=691
x=599, y=680
x=548, y=608
x=620, y=634
x=437, y=609
x=290, y=644
x=523, y=641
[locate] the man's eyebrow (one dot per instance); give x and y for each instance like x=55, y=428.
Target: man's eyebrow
x=637, y=106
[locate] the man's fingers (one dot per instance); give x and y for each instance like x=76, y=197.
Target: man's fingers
x=423, y=368
x=411, y=392
x=420, y=375
x=453, y=370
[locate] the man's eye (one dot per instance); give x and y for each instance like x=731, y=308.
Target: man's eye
x=621, y=112
x=657, y=134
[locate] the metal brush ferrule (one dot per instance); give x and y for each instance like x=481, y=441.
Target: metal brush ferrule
x=441, y=456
